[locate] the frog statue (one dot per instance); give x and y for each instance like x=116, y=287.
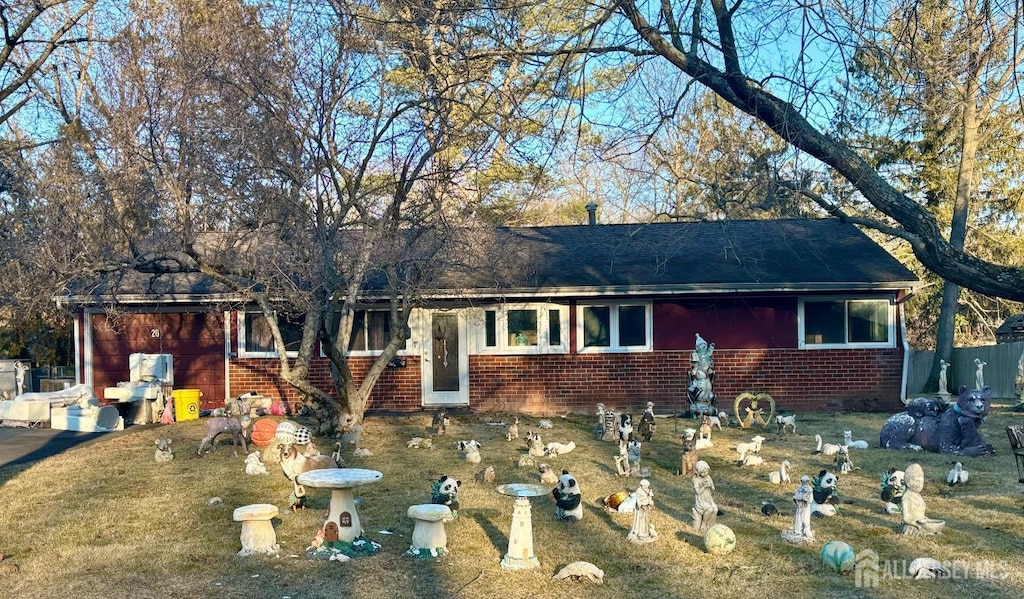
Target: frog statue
x=934, y=426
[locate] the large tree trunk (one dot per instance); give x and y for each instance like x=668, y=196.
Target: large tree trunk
x=945, y=341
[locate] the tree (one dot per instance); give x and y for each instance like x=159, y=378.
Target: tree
x=34, y=34
x=712, y=44
x=33, y=31
x=320, y=162
x=704, y=161
x=953, y=134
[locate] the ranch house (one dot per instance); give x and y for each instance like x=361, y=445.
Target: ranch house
x=806, y=310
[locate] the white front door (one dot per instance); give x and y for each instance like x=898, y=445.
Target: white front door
x=445, y=365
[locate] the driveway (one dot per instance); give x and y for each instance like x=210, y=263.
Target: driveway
x=26, y=445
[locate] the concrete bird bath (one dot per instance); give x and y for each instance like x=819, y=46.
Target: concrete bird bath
x=520, y=537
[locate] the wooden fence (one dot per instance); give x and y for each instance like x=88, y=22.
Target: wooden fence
x=1000, y=371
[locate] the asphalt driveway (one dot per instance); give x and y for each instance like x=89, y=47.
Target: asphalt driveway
x=26, y=445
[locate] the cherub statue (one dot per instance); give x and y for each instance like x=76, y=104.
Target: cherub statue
x=705, y=510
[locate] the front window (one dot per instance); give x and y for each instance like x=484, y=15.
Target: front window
x=847, y=322
x=527, y=328
x=614, y=328
x=371, y=331
x=256, y=340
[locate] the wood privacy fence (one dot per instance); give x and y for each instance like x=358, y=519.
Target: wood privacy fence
x=1000, y=369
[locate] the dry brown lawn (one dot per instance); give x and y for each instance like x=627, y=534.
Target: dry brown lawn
x=105, y=520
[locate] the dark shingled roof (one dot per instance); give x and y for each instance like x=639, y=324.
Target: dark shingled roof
x=687, y=257
x=719, y=255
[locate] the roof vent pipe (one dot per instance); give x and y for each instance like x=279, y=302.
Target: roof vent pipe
x=592, y=211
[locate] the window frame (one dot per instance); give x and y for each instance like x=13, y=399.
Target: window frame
x=847, y=300
x=402, y=351
x=242, y=339
x=543, y=345
x=613, y=328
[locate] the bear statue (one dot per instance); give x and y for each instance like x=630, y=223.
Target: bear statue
x=568, y=504
x=445, y=491
x=932, y=425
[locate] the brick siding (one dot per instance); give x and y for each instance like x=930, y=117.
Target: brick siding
x=798, y=380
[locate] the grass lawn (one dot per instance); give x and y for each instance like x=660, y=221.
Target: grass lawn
x=106, y=520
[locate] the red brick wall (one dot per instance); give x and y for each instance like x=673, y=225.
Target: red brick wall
x=397, y=389
x=819, y=380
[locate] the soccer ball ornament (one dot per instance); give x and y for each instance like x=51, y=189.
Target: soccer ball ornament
x=286, y=432
x=719, y=540
x=838, y=556
x=303, y=435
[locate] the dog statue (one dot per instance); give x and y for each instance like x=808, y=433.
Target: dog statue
x=512, y=432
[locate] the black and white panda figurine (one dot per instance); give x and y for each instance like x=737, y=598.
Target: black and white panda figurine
x=568, y=504
x=824, y=490
x=445, y=491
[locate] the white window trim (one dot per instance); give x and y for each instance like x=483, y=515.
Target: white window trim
x=613, y=326
x=370, y=353
x=544, y=346
x=801, y=337
x=242, y=353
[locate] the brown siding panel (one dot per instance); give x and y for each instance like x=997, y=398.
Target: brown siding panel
x=195, y=340
x=734, y=323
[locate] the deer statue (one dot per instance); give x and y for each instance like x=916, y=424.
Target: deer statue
x=236, y=427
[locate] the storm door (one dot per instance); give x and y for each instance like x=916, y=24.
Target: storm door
x=445, y=360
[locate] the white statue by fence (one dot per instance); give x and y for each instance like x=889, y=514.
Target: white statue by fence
x=20, y=368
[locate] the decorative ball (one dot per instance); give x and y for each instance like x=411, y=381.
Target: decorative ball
x=263, y=431
x=285, y=432
x=838, y=556
x=303, y=435
x=719, y=540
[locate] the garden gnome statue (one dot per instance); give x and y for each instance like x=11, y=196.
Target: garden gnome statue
x=801, y=531
x=915, y=523
x=979, y=374
x=943, y=386
x=20, y=368
x=643, y=531
x=705, y=510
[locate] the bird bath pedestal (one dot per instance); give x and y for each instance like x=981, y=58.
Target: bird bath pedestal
x=520, y=537
x=342, y=531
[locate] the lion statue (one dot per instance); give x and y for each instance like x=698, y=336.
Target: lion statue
x=932, y=425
